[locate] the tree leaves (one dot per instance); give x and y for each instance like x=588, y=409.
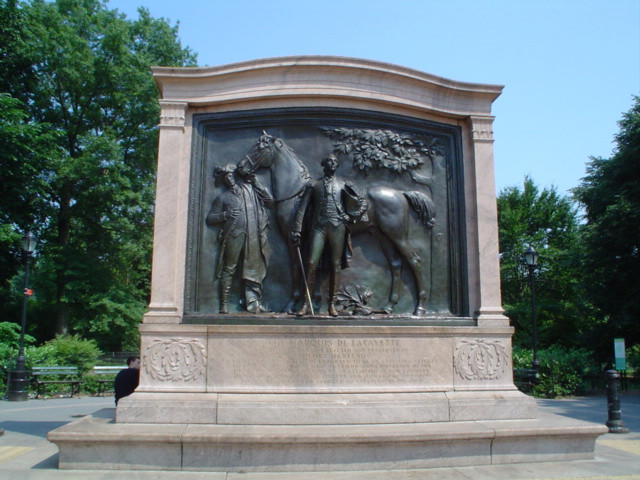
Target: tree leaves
x=96, y=102
x=549, y=223
x=610, y=195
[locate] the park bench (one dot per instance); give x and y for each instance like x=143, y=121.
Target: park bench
x=106, y=375
x=43, y=376
x=525, y=378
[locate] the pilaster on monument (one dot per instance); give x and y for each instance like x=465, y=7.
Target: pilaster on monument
x=489, y=311
x=169, y=245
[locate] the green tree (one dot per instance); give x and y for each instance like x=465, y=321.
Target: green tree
x=549, y=223
x=16, y=73
x=24, y=147
x=96, y=92
x=610, y=194
x=24, y=150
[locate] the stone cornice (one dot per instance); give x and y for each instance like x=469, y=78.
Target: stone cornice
x=312, y=77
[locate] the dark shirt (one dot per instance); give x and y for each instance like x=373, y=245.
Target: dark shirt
x=126, y=382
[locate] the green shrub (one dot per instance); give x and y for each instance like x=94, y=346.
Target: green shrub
x=62, y=351
x=67, y=351
x=563, y=371
x=9, y=345
x=522, y=357
x=90, y=384
x=633, y=359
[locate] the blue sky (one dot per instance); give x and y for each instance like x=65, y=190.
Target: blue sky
x=569, y=67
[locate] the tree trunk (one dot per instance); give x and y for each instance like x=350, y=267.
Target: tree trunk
x=64, y=234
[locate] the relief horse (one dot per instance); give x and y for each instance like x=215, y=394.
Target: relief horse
x=400, y=234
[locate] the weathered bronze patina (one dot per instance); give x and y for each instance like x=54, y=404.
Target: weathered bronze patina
x=335, y=206
x=379, y=195
x=243, y=236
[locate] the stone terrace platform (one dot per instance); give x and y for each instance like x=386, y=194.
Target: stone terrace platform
x=97, y=442
x=26, y=454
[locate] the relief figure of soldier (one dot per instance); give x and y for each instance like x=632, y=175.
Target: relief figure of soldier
x=335, y=205
x=241, y=213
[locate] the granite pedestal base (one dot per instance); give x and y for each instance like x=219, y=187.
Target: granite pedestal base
x=323, y=408
x=322, y=398
x=324, y=374
x=100, y=443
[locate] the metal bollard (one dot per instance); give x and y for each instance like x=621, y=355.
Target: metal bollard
x=614, y=422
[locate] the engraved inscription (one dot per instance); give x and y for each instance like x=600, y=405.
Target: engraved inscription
x=175, y=360
x=480, y=359
x=351, y=361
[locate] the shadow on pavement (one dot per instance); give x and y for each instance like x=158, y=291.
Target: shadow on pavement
x=594, y=409
x=47, y=463
x=109, y=413
x=36, y=428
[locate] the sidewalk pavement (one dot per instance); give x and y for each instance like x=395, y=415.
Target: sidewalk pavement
x=25, y=453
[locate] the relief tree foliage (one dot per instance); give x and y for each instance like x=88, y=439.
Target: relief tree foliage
x=374, y=148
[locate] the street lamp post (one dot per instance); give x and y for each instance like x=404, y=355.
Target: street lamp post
x=531, y=259
x=18, y=390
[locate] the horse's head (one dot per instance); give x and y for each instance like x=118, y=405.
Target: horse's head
x=262, y=154
x=288, y=173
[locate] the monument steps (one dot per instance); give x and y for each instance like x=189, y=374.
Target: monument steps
x=97, y=441
x=328, y=408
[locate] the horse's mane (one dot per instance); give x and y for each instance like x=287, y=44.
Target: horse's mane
x=304, y=172
x=259, y=153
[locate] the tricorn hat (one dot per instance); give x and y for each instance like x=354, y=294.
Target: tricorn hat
x=220, y=172
x=354, y=203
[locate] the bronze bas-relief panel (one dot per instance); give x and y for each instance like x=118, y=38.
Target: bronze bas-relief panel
x=368, y=206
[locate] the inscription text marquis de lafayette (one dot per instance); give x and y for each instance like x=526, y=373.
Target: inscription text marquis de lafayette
x=339, y=342
x=317, y=217
x=338, y=361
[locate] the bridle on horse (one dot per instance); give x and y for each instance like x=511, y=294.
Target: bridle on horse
x=254, y=167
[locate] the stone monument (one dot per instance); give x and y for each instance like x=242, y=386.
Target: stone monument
x=325, y=286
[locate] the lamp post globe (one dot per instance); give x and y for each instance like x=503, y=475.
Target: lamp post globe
x=531, y=259
x=29, y=243
x=18, y=388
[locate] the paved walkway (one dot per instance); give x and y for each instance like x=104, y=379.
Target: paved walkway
x=25, y=453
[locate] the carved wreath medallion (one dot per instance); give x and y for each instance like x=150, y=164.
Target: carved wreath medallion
x=480, y=359
x=175, y=360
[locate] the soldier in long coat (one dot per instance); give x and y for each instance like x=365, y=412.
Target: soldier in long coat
x=243, y=237
x=335, y=205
